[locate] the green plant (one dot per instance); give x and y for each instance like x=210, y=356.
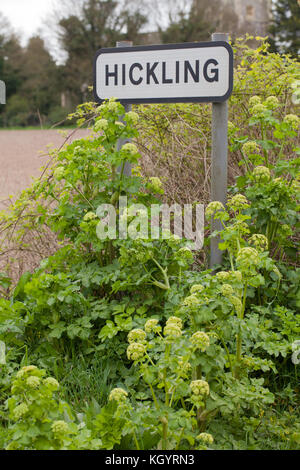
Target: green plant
x=36, y=418
x=271, y=180
x=229, y=333
x=168, y=410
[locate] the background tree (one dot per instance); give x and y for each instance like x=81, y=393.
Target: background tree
x=93, y=24
x=198, y=22
x=285, y=27
x=41, y=83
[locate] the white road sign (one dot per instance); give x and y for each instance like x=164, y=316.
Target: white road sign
x=189, y=72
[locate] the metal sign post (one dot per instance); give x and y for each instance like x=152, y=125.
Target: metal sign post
x=127, y=106
x=2, y=92
x=219, y=130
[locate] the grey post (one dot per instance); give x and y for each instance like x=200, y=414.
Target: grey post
x=2, y=92
x=127, y=167
x=218, y=162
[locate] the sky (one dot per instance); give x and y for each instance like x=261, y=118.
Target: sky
x=26, y=16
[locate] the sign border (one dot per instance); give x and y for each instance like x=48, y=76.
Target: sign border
x=158, y=47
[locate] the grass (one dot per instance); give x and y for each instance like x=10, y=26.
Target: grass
x=84, y=381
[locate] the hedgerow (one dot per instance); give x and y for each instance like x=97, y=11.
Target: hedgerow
x=129, y=343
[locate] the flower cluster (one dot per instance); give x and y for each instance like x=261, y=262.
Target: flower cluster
x=254, y=100
x=112, y=105
x=59, y=428
x=199, y=388
x=101, y=125
x=292, y=120
x=227, y=290
x=236, y=302
x=20, y=411
x=205, y=438
x=286, y=230
x=196, y=288
x=173, y=328
x=152, y=325
x=155, y=185
x=52, y=383
x=136, y=351
x=33, y=382
x=185, y=253
x=250, y=148
x=238, y=202
x=132, y=117
x=222, y=276
x=89, y=216
x=136, y=336
x=258, y=110
x=118, y=394
x=191, y=301
x=25, y=370
x=271, y=102
x=200, y=340
x=214, y=206
x=236, y=276
x=130, y=148
x=261, y=173
x=247, y=257
x=259, y=241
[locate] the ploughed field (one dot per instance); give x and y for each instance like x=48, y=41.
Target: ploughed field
x=23, y=153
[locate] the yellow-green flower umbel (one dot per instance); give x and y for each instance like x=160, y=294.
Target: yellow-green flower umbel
x=259, y=110
x=20, y=411
x=205, y=438
x=292, y=120
x=236, y=302
x=89, y=216
x=136, y=336
x=238, y=202
x=101, y=125
x=33, y=382
x=136, y=351
x=152, y=325
x=191, y=301
x=247, y=257
x=260, y=241
x=199, y=388
x=222, y=276
x=250, y=147
x=196, y=288
x=200, y=340
x=271, y=102
x=226, y=290
x=59, y=428
x=261, y=173
x=132, y=117
x=130, y=148
x=254, y=100
x=118, y=394
x=173, y=328
x=52, y=383
x=212, y=208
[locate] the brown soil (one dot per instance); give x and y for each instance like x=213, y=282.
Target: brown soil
x=23, y=153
